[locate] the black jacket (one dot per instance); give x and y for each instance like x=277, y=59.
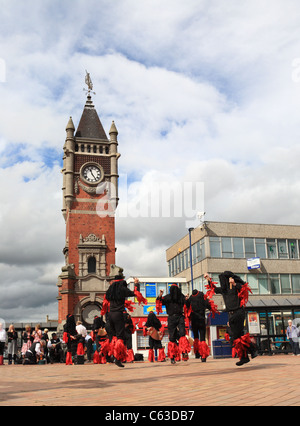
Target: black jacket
x=198, y=305
x=230, y=296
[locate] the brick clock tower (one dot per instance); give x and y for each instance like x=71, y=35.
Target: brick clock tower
x=90, y=188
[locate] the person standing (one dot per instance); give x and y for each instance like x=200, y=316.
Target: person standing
x=235, y=294
x=293, y=333
x=2, y=342
x=174, y=303
x=27, y=339
x=80, y=337
x=197, y=304
x=12, y=337
x=37, y=333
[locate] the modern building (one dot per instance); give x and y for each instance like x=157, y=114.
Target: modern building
x=266, y=256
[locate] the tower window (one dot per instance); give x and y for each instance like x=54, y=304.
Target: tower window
x=95, y=149
x=106, y=150
x=91, y=265
x=82, y=148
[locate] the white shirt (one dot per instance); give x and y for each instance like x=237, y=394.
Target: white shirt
x=2, y=335
x=81, y=330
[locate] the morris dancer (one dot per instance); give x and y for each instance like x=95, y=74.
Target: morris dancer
x=174, y=303
x=154, y=330
x=235, y=293
x=70, y=338
x=196, y=305
x=129, y=331
x=115, y=303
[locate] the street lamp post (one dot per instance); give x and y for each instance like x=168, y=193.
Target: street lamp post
x=191, y=258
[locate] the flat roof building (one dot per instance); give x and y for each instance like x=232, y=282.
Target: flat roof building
x=266, y=256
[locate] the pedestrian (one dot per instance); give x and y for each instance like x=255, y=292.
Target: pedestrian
x=174, y=303
x=12, y=345
x=196, y=305
x=27, y=340
x=235, y=294
x=81, y=334
x=293, y=333
x=46, y=338
x=37, y=333
x=2, y=341
x=154, y=329
x=89, y=347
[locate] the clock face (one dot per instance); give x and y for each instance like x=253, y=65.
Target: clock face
x=89, y=313
x=91, y=173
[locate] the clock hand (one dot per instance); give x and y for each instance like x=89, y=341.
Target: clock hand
x=93, y=174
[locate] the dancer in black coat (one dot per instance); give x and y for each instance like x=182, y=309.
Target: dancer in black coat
x=196, y=305
x=116, y=296
x=174, y=303
x=235, y=294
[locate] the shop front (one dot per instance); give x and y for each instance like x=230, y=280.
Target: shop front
x=269, y=326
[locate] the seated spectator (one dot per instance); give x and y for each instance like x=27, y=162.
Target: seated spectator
x=35, y=353
x=55, y=349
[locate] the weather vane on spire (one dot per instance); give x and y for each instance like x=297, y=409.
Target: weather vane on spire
x=89, y=83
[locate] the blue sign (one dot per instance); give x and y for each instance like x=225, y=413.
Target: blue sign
x=150, y=290
x=253, y=263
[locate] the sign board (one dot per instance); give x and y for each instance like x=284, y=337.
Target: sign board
x=253, y=263
x=253, y=323
x=150, y=290
x=148, y=308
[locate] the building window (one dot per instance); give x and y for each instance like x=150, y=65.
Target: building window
x=293, y=249
x=263, y=284
x=296, y=283
x=226, y=248
x=285, y=283
x=282, y=249
x=215, y=246
x=253, y=282
x=272, y=249
x=238, y=248
x=249, y=247
x=274, y=284
x=91, y=265
x=260, y=246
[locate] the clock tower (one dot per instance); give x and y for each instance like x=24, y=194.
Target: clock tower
x=90, y=196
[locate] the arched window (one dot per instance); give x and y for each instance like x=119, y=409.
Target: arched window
x=91, y=265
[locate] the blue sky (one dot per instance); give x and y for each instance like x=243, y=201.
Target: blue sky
x=200, y=91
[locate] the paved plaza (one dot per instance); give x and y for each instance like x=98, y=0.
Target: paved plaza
x=265, y=381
